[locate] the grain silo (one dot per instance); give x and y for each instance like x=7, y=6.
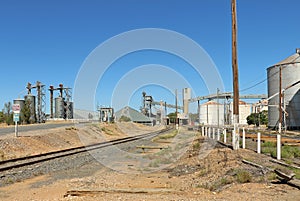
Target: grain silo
x=290, y=74
x=186, y=96
x=209, y=114
x=59, y=107
x=245, y=110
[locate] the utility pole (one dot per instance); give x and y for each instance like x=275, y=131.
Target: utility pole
x=218, y=112
x=176, y=110
x=235, y=75
x=198, y=110
x=280, y=116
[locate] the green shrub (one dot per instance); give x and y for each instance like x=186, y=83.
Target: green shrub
x=124, y=119
x=243, y=176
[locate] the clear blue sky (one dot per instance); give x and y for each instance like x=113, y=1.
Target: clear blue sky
x=49, y=40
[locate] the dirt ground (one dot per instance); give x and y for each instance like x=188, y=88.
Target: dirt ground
x=195, y=176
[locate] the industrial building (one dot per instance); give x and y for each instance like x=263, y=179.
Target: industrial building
x=134, y=116
x=64, y=107
x=245, y=110
x=286, y=72
x=106, y=114
x=213, y=113
x=36, y=104
x=210, y=112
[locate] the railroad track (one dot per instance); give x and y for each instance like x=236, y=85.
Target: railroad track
x=35, y=159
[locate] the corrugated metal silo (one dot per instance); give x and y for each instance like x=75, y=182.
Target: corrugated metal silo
x=31, y=101
x=290, y=74
x=59, y=107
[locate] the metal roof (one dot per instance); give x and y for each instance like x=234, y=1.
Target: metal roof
x=133, y=114
x=295, y=58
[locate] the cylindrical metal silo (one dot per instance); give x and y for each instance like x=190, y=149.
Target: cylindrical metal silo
x=290, y=74
x=59, y=108
x=69, y=111
x=30, y=99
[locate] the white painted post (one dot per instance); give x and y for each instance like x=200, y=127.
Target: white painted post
x=206, y=132
x=225, y=135
x=213, y=133
x=209, y=132
x=278, y=147
x=218, y=138
x=233, y=139
x=258, y=142
x=244, y=138
x=16, y=128
x=202, y=131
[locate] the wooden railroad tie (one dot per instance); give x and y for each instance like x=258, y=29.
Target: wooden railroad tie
x=151, y=147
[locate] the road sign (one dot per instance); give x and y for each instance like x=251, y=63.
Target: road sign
x=16, y=116
x=16, y=107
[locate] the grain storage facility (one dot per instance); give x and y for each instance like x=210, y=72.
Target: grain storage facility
x=290, y=74
x=209, y=113
x=245, y=110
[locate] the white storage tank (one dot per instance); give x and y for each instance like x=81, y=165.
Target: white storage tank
x=290, y=74
x=245, y=110
x=209, y=113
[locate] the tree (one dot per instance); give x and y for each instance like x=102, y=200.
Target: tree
x=124, y=119
x=26, y=112
x=258, y=118
x=172, y=116
x=264, y=117
x=8, y=115
x=90, y=116
x=194, y=117
x=2, y=118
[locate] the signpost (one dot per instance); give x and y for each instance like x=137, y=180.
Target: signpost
x=16, y=109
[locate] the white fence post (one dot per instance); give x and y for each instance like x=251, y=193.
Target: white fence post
x=258, y=142
x=278, y=147
x=225, y=135
x=244, y=138
x=218, y=132
x=202, y=130
x=213, y=133
x=233, y=139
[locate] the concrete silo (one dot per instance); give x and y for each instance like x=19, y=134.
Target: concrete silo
x=186, y=96
x=290, y=74
x=209, y=113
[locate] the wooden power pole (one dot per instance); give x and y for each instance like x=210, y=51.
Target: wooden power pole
x=235, y=75
x=176, y=110
x=280, y=115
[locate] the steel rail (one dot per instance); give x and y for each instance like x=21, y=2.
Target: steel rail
x=33, y=159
